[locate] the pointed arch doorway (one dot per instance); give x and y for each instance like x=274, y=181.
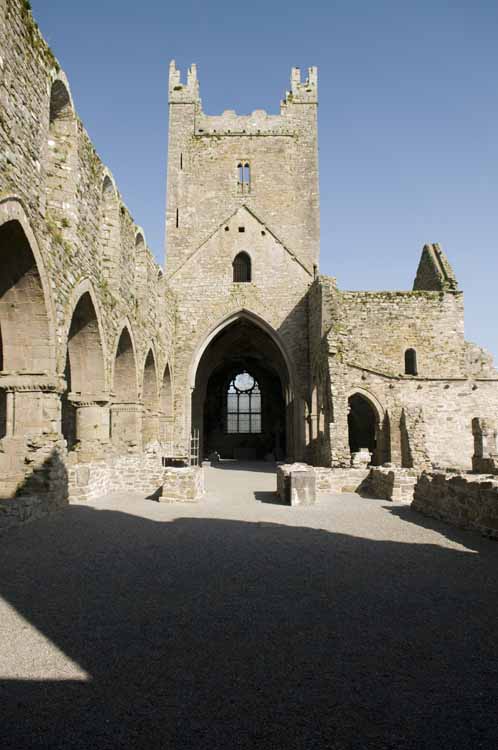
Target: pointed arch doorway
x=242, y=398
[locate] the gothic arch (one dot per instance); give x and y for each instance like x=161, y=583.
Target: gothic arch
x=85, y=362
x=150, y=398
x=166, y=405
x=61, y=156
x=371, y=397
x=206, y=338
x=26, y=306
x=110, y=229
x=124, y=374
x=85, y=287
x=166, y=391
x=126, y=412
x=367, y=426
x=149, y=361
x=140, y=263
x=241, y=338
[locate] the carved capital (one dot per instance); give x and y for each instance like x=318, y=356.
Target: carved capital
x=26, y=382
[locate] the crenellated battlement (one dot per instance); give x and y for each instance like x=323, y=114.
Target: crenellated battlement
x=230, y=123
x=183, y=92
x=303, y=92
x=277, y=153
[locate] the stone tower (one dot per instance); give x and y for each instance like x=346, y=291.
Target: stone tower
x=268, y=163
x=242, y=250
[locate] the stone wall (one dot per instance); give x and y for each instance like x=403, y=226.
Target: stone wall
x=85, y=313
x=331, y=481
x=358, y=341
x=464, y=500
x=144, y=475
x=391, y=483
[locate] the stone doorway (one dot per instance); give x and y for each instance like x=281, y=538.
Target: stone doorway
x=362, y=425
x=241, y=403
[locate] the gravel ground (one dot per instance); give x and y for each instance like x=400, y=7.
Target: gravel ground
x=240, y=623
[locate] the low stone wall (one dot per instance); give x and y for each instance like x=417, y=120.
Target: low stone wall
x=140, y=473
x=40, y=490
x=143, y=474
x=383, y=482
x=391, y=483
x=339, y=480
x=469, y=501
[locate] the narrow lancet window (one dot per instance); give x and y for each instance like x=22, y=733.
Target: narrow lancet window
x=243, y=405
x=410, y=362
x=242, y=268
x=244, y=177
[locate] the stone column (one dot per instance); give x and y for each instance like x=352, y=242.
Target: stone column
x=32, y=427
x=92, y=425
x=150, y=427
x=395, y=430
x=33, y=404
x=340, y=454
x=126, y=425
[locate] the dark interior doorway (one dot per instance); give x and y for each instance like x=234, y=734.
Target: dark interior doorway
x=239, y=400
x=362, y=421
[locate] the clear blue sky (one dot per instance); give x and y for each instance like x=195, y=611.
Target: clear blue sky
x=408, y=117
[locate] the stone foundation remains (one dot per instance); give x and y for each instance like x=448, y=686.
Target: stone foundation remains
x=142, y=474
x=182, y=484
x=464, y=500
x=296, y=484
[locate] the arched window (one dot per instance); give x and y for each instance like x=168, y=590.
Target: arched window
x=243, y=405
x=242, y=267
x=244, y=177
x=410, y=362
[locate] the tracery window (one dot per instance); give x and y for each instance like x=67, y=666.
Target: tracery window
x=243, y=405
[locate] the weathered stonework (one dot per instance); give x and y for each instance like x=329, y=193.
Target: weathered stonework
x=182, y=484
x=103, y=354
x=464, y=500
x=296, y=484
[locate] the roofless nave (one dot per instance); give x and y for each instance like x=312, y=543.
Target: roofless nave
x=109, y=362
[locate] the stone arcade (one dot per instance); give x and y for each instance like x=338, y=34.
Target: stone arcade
x=109, y=363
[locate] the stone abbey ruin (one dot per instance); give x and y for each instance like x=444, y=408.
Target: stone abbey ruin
x=116, y=373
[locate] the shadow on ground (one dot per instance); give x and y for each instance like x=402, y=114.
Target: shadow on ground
x=211, y=633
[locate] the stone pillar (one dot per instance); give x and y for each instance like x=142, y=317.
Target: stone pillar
x=395, y=423
x=150, y=427
x=126, y=425
x=485, y=458
x=340, y=454
x=32, y=428
x=92, y=425
x=32, y=404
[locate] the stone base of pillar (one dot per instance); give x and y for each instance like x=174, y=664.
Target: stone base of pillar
x=150, y=428
x=126, y=426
